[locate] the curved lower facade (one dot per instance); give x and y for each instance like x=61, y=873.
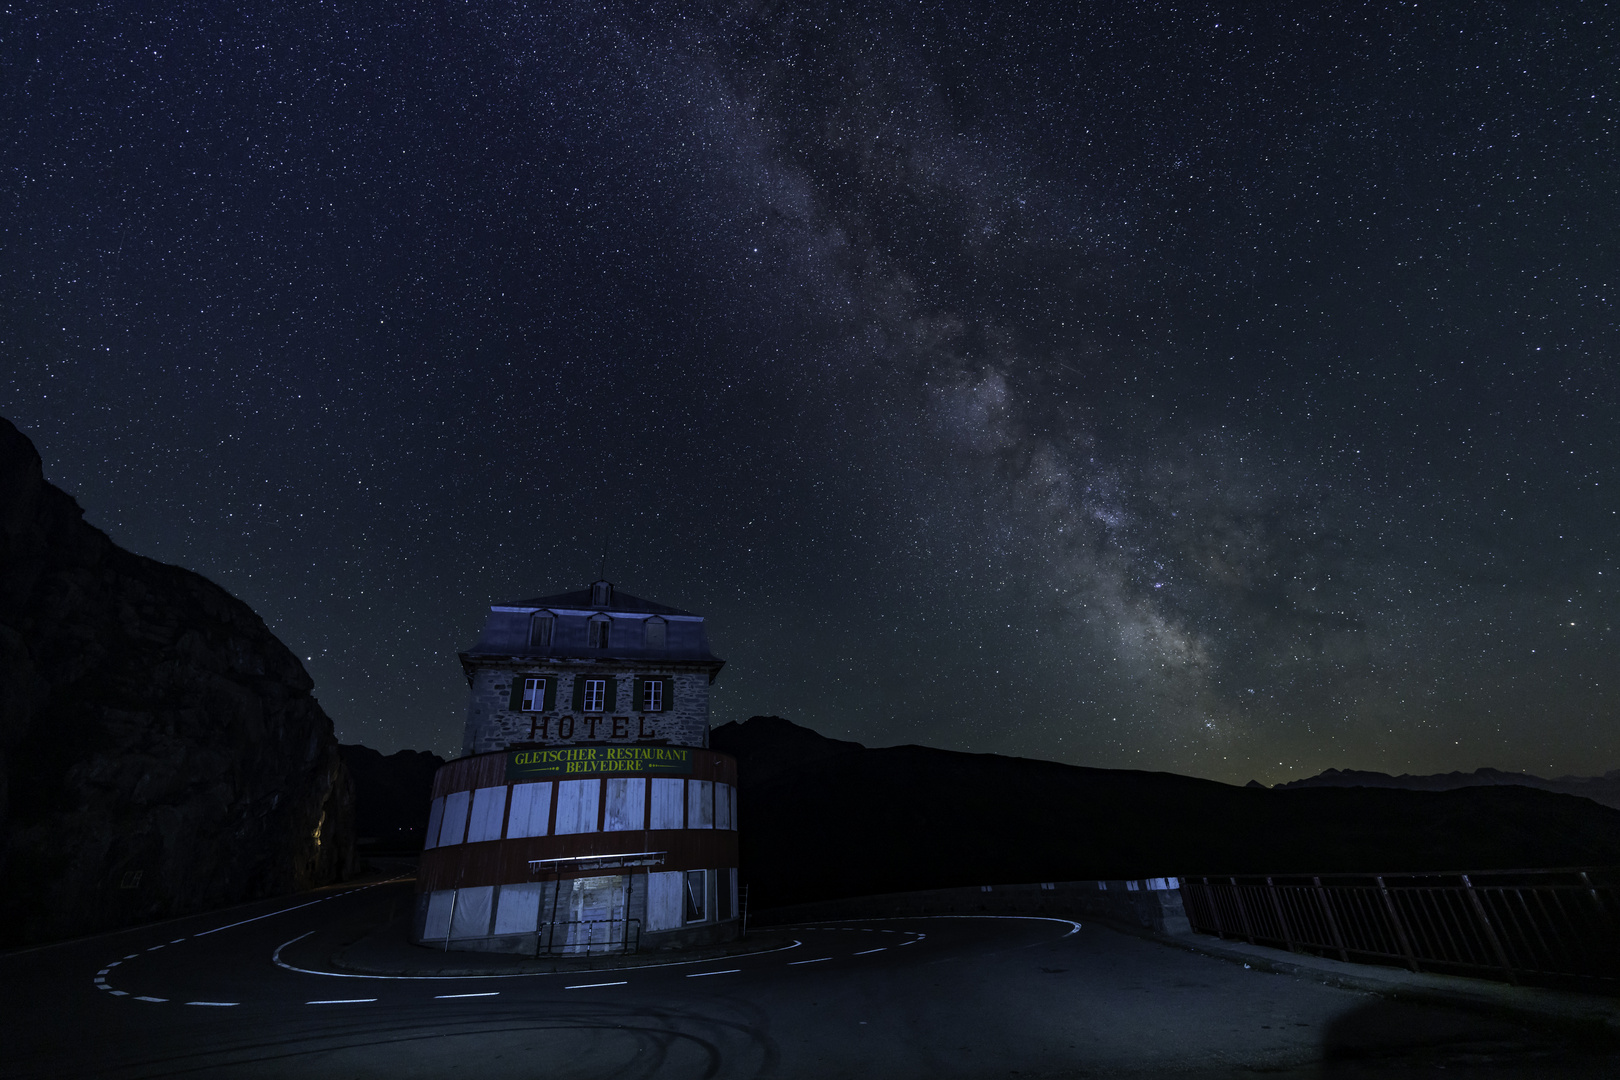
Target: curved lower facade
x=582, y=849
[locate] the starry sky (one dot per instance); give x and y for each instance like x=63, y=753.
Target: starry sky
x=1223, y=389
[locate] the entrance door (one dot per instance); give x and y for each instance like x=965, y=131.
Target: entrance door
x=596, y=909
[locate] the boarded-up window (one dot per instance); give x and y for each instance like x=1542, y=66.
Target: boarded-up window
x=531, y=810
x=471, y=917
x=626, y=804
x=663, y=900
x=576, y=805
x=517, y=909
x=722, y=806
x=700, y=804
x=488, y=808
x=667, y=799
x=455, y=818
x=437, y=926
x=653, y=633
x=435, y=820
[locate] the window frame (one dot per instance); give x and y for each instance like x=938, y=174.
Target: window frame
x=598, y=631
x=599, y=688
x=699, y=902
x=538, y=620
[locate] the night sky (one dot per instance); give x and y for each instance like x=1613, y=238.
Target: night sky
x=1230, y=391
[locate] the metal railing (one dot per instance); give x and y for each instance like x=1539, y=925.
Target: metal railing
x=588, y=937
x=1558, y=926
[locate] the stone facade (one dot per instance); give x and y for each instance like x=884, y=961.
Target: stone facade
x=493, y=725
x=595, y=633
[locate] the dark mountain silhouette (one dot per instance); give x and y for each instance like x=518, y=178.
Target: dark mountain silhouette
x=822, y=819
x=160, y=750
x=392, y=796
x=1603, y=789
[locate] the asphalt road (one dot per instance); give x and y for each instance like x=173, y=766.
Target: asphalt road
x=253, y=993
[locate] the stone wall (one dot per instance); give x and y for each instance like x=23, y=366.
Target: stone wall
x=160, y=750
x=492, y=725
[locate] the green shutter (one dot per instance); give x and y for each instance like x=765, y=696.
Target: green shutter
x=669, y=693
x=551, y=693
x=641, y=695
x=516, y=702
x=610, y=701
x=579, y=693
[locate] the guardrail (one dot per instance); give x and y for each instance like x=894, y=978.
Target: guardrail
x=1542, y=926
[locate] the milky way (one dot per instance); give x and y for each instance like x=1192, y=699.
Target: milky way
x=1187, y=388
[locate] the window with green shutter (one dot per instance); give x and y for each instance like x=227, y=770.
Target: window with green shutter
x=533, y=693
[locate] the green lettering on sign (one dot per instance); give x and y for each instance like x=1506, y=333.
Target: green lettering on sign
x=595, y=760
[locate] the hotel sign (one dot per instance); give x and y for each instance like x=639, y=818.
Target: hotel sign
x=615, y=760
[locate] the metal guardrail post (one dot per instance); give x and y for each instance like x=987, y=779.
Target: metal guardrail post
x=1333, y=923
x=1243, y=912
x=1490, y=931
x=1282, y=920
x=1395, y=921
x=1214, y=908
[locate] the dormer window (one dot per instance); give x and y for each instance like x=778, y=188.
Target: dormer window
x=653, y=633
x=540, y=630
x=597, y=633
x=601, y=593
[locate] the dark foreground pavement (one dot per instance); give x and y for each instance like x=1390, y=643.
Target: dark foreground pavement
x=925, y=997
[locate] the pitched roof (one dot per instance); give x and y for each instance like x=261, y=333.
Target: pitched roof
x=580, y=600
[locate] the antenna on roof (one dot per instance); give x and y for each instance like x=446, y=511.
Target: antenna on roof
x=601, y=571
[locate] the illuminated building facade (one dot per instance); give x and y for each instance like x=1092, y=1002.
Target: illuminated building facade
x=588, y=814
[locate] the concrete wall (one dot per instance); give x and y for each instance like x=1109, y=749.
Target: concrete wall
x=492, y=725
x=1151, y=903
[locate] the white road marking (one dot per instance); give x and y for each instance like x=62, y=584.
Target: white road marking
x=341, y=1001
x=120, y=993
x=817, y=960
x=446, y=997
x=132, y=956
x=154, y=948
x=143, y=997
x=100, y=981
x=216, y=1004
x=869, y=952
x=177, y=941
x=700, y=974
x=104, y=971
x=587, y=986
x=275, y=958
x=283, y=911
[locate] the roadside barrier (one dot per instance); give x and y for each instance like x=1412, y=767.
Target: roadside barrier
x=1558, y=927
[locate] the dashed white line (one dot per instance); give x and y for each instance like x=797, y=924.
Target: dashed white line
x=120, y=993
x=447, y=997
x=341, y=1001
x=177, y=941
x=587, y=986
x=869, y=952
x=143, y=997
x=154, y=948
x=215, y=1004
x=817, y=960
x=700, y=974
x=132, y=956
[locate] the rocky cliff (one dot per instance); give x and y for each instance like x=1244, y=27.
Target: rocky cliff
x=160, y=750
